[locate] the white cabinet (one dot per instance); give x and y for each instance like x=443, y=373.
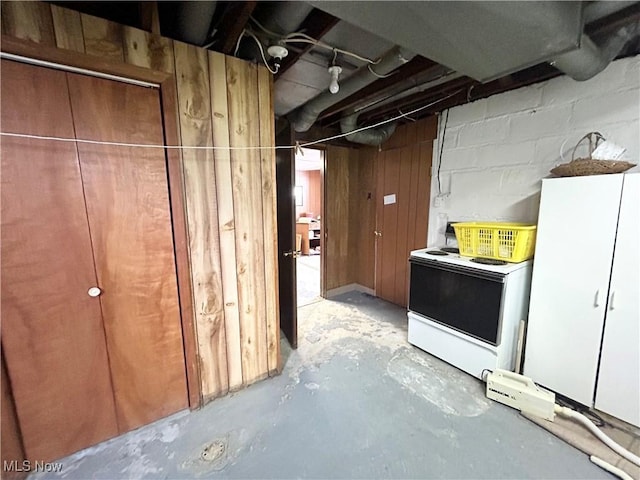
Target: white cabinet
x=618, y=386
x=585, y=293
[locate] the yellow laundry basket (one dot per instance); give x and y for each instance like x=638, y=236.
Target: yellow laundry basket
x=511, y=242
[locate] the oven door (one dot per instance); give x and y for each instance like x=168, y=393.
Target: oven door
x=466, y=299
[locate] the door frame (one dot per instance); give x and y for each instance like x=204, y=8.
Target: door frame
x=175, y=181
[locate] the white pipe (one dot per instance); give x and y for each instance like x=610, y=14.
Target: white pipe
x=610, y=468
x=572, y=414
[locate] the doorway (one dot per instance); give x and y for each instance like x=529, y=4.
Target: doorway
x=308, y=192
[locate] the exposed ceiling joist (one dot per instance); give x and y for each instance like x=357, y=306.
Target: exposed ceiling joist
x=316, y=25
x=232, y=24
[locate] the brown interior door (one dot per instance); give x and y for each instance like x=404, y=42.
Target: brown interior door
x=127, y=198
x=52, y=332
x=401, y=223
x=285, y=179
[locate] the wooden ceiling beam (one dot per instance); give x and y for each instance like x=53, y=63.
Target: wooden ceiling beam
x=234, y=20
x=316, y=25
x=471, y=91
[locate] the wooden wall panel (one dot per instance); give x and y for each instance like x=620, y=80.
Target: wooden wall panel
x=244, y=115
x=365, y=213
x=230, y=267
x=68, y=29
x=147, y=50
x=28, y=21
x=102, y=38
x=337, y=173
x=192, y=70
x=226, y=218
x=269, y=217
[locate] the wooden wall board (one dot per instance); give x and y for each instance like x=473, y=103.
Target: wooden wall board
x=365, y=211
x=68, y=29
x=192, y=72
x=226, y=218
x=355, y=217
x=269, y=217
x=128, y=208
x=336, y=221
x=403, y=157
x=244, y=117
x=102, y=37
x=147, y=50
x=169, y=99
x=30, y=21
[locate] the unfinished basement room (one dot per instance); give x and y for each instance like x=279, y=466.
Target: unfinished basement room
x=320, y=239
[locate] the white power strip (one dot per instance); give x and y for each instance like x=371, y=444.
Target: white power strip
x=519, y=392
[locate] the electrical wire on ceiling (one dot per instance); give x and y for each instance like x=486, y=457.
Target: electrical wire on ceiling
x=264, y=58
x=441, y=145
x=301, y=37
x=198, y=147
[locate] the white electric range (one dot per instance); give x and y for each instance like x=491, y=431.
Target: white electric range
x=467, y=313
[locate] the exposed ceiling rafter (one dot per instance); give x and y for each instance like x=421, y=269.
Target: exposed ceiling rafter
x=234, y=20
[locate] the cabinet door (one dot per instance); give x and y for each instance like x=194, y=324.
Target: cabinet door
x=572, y=265
x=52, y=331
x=618, y=390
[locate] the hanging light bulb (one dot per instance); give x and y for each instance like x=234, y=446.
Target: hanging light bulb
x=334, y=71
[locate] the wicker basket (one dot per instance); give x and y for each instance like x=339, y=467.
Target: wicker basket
x=590, y=166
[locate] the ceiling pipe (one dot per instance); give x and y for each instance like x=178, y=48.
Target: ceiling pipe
x=193, y=20
x=590, y=59
x=304, y=117
x=372, y=136
x=284, y=17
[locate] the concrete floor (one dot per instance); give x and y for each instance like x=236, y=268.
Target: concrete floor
x=354, y=401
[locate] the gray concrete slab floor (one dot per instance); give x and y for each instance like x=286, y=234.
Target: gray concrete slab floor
x=355, y=400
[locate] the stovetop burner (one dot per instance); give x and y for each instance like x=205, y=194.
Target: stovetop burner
x=438, y=253
x=488, y=261
x=450, y=249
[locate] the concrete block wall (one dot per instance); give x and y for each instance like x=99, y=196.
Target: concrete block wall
x=497, y=150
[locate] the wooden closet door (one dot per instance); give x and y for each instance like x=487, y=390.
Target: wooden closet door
x=52, y=333
x=127, y=197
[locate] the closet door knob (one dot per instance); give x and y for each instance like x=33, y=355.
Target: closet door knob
x=94, y=292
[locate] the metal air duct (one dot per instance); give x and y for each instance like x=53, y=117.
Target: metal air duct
x=590, y=59
x=366, y=137
x=304, y=117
